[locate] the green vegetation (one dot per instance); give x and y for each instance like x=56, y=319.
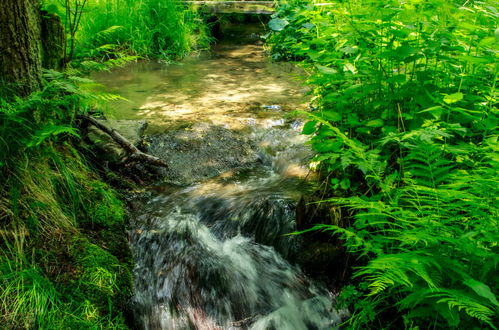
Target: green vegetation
x=116, y=29
x=405, y=130
x=64, y=262
x=404, y=125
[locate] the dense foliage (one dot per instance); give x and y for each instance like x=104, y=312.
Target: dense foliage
x=405, y=128
x=116, y=29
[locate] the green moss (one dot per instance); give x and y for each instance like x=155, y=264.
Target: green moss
x=112, y=239
x=105, y=208
x=100, y=277
x=80, y=193
x=83, y=316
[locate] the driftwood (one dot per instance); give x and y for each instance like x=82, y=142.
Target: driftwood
x=135, y=153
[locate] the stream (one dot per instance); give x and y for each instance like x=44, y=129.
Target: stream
x=209, y=241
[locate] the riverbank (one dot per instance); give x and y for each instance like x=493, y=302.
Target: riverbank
x=65, y=261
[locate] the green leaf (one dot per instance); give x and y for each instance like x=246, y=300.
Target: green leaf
x=482, y=290
x=449, y=314
x=349, y=50
x=327, y=156
x=345, y=183
x=325, y=70
x=350, y=67
x=277, y=24
x=375, y=123
x=435, y=111
x=405, y=51
x=51, y=9
x=331, y=116
x=110, y=30
x=400, y=78
x=50, y=131
x=309, y=127
x=453, y=98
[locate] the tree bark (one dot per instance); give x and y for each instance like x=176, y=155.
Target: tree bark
x=20, y=46
x=53, y=41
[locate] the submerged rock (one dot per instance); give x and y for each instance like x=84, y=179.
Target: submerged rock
x=202, y=151
x=132, y=130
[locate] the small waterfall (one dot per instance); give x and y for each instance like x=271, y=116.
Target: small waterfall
x=213, y=255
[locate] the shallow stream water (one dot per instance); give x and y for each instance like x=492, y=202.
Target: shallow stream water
x=209, y=241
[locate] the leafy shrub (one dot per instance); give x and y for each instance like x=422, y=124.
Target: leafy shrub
x=405, y=130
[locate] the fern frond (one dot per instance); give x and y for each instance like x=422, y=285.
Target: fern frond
x=462, y=301
x=427, y=164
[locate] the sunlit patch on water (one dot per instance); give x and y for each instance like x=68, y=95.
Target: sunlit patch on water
x=215, y=87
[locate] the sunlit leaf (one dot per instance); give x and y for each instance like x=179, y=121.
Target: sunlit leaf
x=482, y=290
x=309, y=127
x=453, y=98
x=278, y=24
x=325, y=70
x=375, y=123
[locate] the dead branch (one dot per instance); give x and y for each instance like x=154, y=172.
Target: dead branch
x=135, y=153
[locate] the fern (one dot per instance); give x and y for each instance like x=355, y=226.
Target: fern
x=427, y=164
x=462, y=301
x=49, y=132
x=405, y=116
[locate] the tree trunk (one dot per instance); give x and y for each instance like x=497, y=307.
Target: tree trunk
x=20, y=46
x=53, y=41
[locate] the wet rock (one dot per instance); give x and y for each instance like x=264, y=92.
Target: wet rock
x=201, y=151
x=273, y=107
x=109, y=150
x=317, y=257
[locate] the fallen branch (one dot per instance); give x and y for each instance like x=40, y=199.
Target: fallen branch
x=135, y=153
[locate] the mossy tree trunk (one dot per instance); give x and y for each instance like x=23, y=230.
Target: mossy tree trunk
x=53, y=41
x=20, y=45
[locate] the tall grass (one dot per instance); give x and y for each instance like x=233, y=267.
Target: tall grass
x=156, y=28
x=27, y=295
x=51, y=275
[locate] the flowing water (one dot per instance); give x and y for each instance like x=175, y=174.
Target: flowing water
x=209, y=241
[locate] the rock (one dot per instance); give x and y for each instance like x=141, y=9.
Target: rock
x=200, y=152
x=273, y=107
x=132, y=130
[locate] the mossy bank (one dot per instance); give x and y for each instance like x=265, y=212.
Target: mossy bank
x=65, y=261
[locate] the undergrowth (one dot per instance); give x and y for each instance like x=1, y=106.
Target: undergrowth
x=405, y=128
x=122, y=30
x=64, y=261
